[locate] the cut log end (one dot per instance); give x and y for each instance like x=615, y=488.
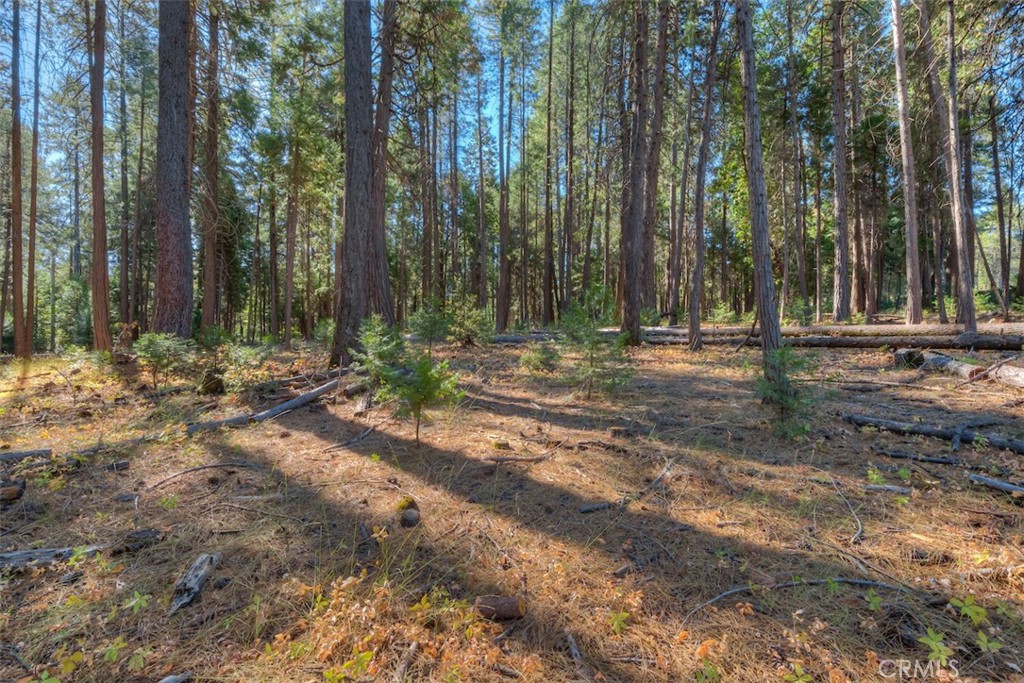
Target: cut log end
x=500, y=607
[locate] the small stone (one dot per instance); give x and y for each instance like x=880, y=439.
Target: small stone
x=410, y=518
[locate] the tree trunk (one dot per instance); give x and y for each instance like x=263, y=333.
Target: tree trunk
x=841, y=276
x=427, y=246
x=676, y=265
x=173, y=298
x=124, y=267
x=913, y=263
x=653, y=159
x=101, y=337
x=965, y=313
x=272, y=246
x=504, y=300
x=211, y=171
x=5, y=196
x=481, y=218
x=455, y=270
x=569, y=222
x=771, y=334
x=633, y=227
x=380, y=284
x=33, y=205
x=291, y=230
x=949, y=148
x=800, y=222
x=353, y=281
x=548, y=296
x=135, y=291
x=22, y=345
x=697, y=284
x=1004, y=241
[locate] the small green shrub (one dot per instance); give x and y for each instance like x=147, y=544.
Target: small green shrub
x=382, y=350
x=430, y=324
x=162, y=353
x=722, y=314
x=469, y=325
x=602, y=362
x=245, y=366
x=775, y=388
x=323, y=333
x=650, y=317
x=422, y=385
x=540, y=357
x=213, y=338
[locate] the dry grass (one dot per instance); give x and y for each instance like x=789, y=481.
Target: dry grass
x=302, y=594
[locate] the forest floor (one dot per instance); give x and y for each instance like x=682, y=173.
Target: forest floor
x=317, y=580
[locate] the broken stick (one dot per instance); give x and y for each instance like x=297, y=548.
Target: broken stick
x=191, y=584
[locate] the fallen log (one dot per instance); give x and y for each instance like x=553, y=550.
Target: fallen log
x=964, y=341
x=957, y=433
x=133, y=541
x=11, y=490
x=235, y=421
x=243, y=420
x=19, y=559
x=935, y=459
x=836, y=336
x=296, y=402
x=191, y=584
x=997, y=484
x=15, y=456
x=940, y=362
x=1009, y=374
x=849, y=330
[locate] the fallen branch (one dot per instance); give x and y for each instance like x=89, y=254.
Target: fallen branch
x=260, y=512
x=133, y=541
x=406, y=662
x=199, y=468
x=858, y=535
x=353, y=441
x=626, y=500
x=947, y=433
x=740, y=590
x=887, y=488
x=178, y=678
x=191, y=584
x=997, y=484
x=582, y=668
x=635, y=564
